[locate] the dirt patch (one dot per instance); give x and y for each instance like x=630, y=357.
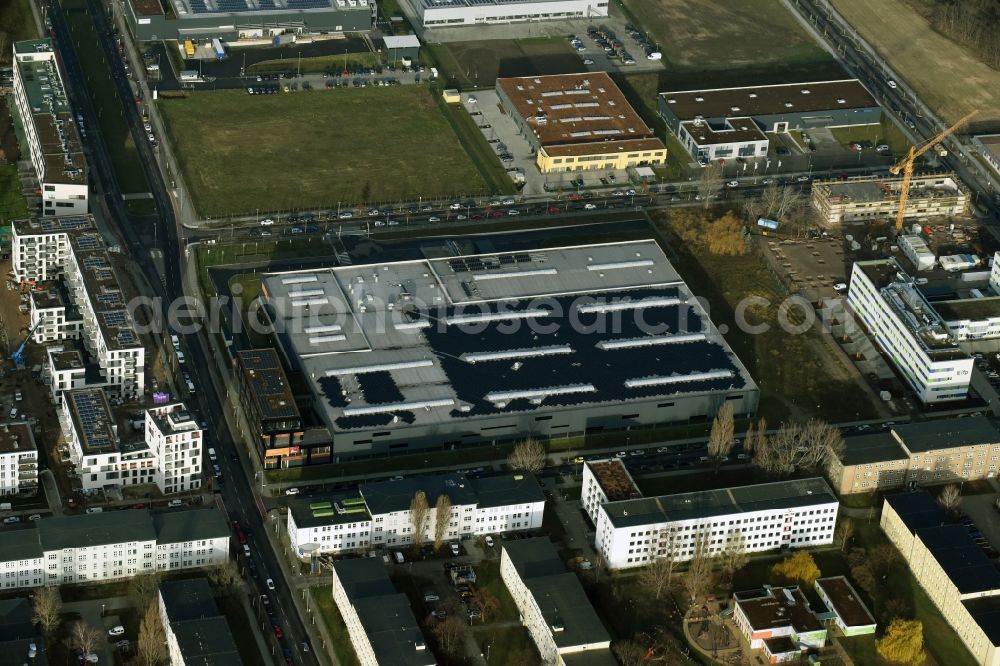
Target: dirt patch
x=488, y=60
x=705, y=34
x=949, y=79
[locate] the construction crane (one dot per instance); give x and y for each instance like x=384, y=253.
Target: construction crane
x=906, y=166
x=18, y=355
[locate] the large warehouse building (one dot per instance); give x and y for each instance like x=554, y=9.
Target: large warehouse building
x=461, y=350
x=242, y=19
x=723, y=123
x=449, y=13
x=579, y=122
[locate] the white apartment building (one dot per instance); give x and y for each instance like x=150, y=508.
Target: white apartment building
x=40, y=247
x=87, y=304
x=111, y=545
x=18, y=459
x=632, y=531
x=379, y=620
x=380, y=513
x=175, y=440
x=451, y=13
x=63, y=371
x=53, y=140
x=196, y=632
x=169, y=455
x=909, y=331
x=553, y=606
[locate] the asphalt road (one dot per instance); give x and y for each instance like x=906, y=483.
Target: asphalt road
x=236, y=492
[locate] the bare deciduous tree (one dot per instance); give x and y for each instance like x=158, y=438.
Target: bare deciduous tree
x=950, y=498
x=845, y=531
x=811, y=446
x=527, y=456
x=419, y=513
x=629, y=653
x=144, y=588
x=709, y=183
x=659, y=575
x=152, y=638
x=698, y=579
x=734, y=556
x=755, y=436
x=442, y=518
x=46, y=609
x=486, y=602
x=84, y=637
x=720, y=440
x=449, y=634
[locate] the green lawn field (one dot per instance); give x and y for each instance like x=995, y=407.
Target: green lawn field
x=317, y=149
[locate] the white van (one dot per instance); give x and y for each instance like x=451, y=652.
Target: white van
x=175, y=503
x=399, y=557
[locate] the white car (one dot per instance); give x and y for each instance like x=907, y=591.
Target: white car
x=116, y=631
x=10, y=520
x=488, y=541
x=840, y=287
x=455, y=206
x=292, y=491
x=270, y=583
x=147, y=127
x=892, y=84
x=95, y=509
x=472, y=99
x=346, y=215
x=733, y=184
x=266, y=222
x=508, y=202
x=588, y=61
x=454, y=549
x=435, y=218
x=430, y=596
x=589, y=206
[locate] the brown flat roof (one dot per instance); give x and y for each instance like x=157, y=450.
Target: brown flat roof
x=775, y=610
x=266, y=378
x=63, y=163
x=603, y=147
x=844, y=599
x=574, y=108
x=737, y=129
x=614, y=479
x=765, y=100
x=16, y=437
x=147, y=7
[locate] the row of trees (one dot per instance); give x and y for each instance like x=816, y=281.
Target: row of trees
x=793, y=447
x=420, y=511
x=699, y=577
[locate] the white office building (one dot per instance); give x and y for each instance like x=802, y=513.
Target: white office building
x=77, y=296
x=167, y=452
x=379, y=514
x=553, y=606
x=909, y=331
x=111, y=545
x=18, y=459
x=49, y=128
x=452, y=13
x=379, y=620
x=632, y=531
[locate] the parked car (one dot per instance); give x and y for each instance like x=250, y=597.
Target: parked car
x=454, y=549
x=116, y=631
x=270, y=583
x=292, y=491
x=430, y=596
x=488, y=541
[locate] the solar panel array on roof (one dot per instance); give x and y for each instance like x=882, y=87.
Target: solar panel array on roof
x=308, y=4
x=198, y=6
x=111, y=298
x=93, y=262
x=378, y=387
x=92, y=412
x=87, y=242
x=114, y=318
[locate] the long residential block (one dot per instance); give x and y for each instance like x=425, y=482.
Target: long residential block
x=553, y=606
x=197, y=633
x=632, y=530
x=49, y=128
x=379, y=513
x=379, y=620
x=111, y=545
x=951, y=568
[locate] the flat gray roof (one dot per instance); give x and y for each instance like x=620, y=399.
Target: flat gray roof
x=19, y=544
x=327, y=510
x=708, y=503
x=190, y=599
x=363, y=577
x=445, y=339
x=924, y=436
x=390, y=496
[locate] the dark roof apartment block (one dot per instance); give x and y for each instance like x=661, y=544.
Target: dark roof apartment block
x=202, y=634
x=265, y=379
x=943, y=434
